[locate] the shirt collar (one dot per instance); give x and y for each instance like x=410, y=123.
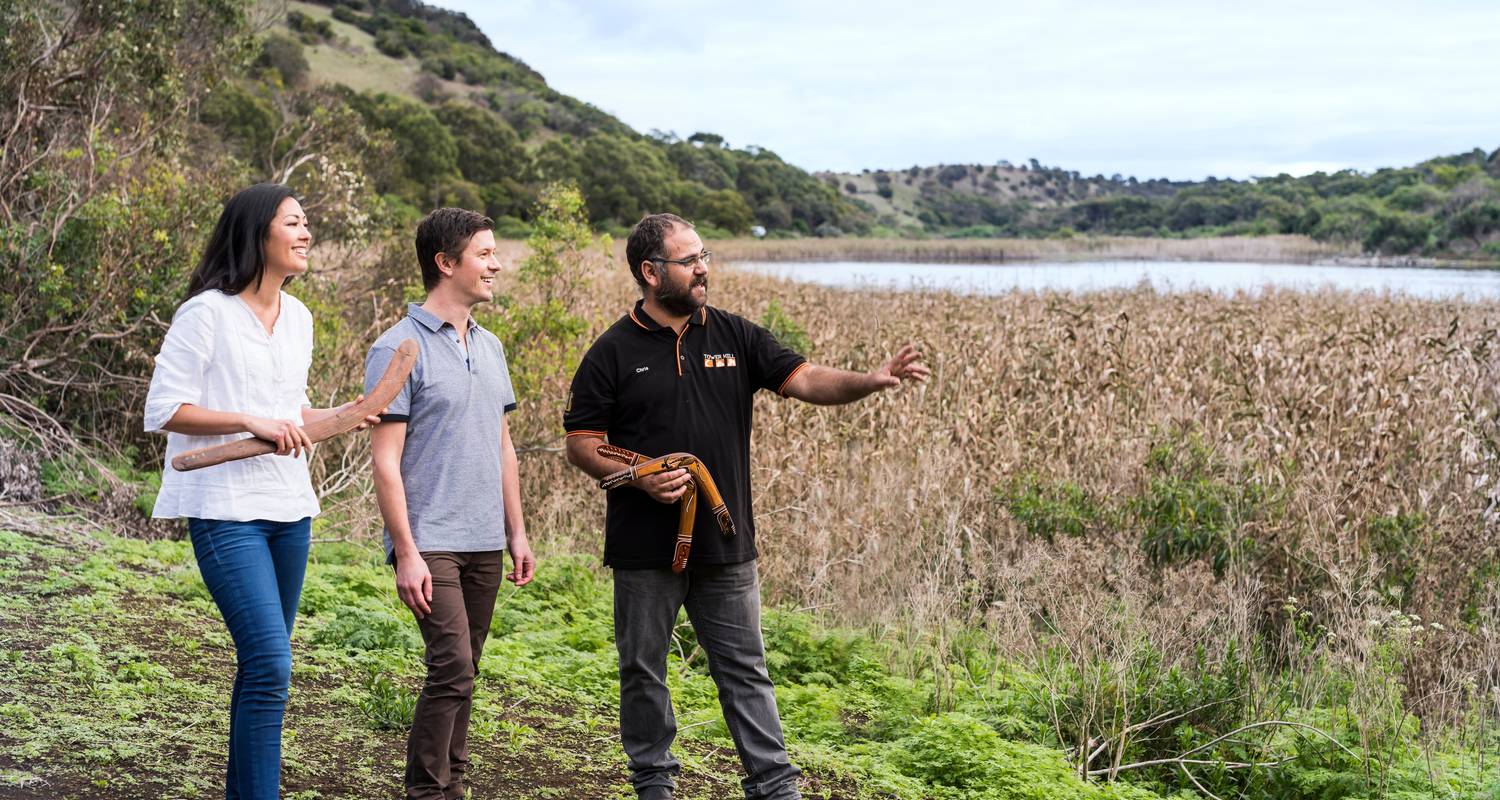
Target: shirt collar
x=429, y=320
x=639, y=316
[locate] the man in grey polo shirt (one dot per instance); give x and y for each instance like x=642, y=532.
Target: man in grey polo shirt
x=445, y=478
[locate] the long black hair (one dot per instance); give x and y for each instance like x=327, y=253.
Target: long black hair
x=236, y=252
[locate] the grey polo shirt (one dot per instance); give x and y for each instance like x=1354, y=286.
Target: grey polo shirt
x=453, y=405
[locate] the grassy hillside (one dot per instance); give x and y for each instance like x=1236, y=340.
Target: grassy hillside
x=434, y=115
x=912, y=200
x=1447, y=206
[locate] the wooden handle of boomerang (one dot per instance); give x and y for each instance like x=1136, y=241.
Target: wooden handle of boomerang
x=685, y=517
x=347, y=420
x=650, y=466
x=620, y=454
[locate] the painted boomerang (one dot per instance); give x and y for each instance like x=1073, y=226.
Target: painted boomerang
x=638, y=466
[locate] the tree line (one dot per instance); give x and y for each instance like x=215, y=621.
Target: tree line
x=1446, y=206
x=486, y=132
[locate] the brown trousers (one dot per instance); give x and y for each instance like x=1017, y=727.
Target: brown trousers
x=464, y=586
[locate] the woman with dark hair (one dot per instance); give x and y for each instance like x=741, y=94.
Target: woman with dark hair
x=234, y=363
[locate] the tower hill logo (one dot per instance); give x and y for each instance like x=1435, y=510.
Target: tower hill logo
x=719, y=360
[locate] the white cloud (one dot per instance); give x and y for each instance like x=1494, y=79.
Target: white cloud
x=1178, y=89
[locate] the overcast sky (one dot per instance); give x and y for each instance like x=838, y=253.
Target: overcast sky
x=1152, y=89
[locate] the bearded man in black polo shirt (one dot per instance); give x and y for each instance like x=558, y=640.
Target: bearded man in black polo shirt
x=675, y=375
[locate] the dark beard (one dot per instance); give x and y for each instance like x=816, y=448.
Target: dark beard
x=678, y=299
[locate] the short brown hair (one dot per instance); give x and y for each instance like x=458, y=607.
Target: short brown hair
x=647, y=238
x=446, y=231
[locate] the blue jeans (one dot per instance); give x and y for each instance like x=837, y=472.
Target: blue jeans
x=254, y=573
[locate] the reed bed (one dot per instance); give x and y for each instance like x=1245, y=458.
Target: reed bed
x=1352, y=437
x=1280, y=248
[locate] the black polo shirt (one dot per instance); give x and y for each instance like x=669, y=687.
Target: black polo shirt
x=647, y=388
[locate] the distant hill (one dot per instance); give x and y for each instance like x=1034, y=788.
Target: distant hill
x=1443, y=206
x=451, y=119
x=946, y=196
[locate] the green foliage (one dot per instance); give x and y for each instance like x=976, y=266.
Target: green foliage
x=1194, y=507
x=309, y=30
x=245, y=118
x=623, y=178
x=543, y=336
x=724, y=209
x=800, y=651
x=1397, y=540
x=284, y=55
x=426, y=151
x=102, y=217
x=117, y=680
x=491, y=156
x=1445, y=206
x=787, y=330
x=361, y=628
x=1046, y=508
x=387, y=705
x=962, y=758
x=622, y=175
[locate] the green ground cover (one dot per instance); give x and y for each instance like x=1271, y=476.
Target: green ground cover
x=116, y=674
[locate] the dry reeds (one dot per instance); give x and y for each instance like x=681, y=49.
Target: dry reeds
x=1281, y=248
x=1343, y=412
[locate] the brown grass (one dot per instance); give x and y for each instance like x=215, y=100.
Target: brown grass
x=1344, y=408
x=1285, y=248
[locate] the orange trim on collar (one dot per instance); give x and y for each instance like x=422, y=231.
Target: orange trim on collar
x=636, y=320
x=678, y=349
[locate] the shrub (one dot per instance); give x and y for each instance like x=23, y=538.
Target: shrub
x=1192, y=509
x=390, y=43
x=309, y=30
x=356, y=628
x=786, y=329
x=1046, y=508
x=1397, y=541
x=284, y=54
x=956, y=752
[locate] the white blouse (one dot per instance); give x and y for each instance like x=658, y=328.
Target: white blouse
x=218, y=356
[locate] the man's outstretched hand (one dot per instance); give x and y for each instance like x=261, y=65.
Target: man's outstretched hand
x=905, y=365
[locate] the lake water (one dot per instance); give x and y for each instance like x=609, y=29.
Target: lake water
x=1086, y=276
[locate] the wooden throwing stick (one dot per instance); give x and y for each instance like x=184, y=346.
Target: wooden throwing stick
x=347, y=420
x=638, y=466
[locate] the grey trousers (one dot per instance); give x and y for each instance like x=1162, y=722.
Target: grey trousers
x=723, y=605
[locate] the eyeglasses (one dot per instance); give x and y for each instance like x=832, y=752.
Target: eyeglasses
x=706, y=257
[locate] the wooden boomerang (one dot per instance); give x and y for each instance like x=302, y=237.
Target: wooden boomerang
x=639, y=466
x=347, y=420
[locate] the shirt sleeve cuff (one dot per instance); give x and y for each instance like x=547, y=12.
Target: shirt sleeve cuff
x=159, y=414
x=781, y=390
